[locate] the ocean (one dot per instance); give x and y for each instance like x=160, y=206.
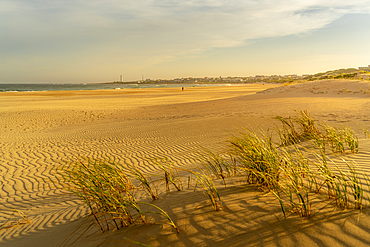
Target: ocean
x=89, y=86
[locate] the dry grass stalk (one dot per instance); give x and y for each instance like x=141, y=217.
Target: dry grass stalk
x=204, y=179
x=144, y=181
x=220, y=167
x=171, y=175
x=9, y=223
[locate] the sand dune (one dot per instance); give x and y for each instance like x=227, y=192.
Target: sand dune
x=42, y=131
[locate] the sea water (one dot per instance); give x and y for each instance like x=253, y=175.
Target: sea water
x=89, y=86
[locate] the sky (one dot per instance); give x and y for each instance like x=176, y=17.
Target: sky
x=80, y=41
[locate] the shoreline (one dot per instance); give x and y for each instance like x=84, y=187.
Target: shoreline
x=102, y=86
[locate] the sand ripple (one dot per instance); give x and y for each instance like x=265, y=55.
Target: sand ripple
x=44, y=133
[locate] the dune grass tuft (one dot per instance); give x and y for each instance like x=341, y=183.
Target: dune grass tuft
x=204, y=179
x=307, y=124
x=258, y=158
x=289, y=133
x=171, y=175
x=339, y=138
x=219, y=166
x=286, y=169
x=144, y=181
x=321, y=134
x=107, y=190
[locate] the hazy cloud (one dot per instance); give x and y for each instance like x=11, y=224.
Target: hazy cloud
x=159, y=29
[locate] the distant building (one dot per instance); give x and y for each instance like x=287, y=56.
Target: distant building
x=367, y=69
x=121, y=78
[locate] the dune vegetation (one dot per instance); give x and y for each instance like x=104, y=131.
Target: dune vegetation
x=292, y=161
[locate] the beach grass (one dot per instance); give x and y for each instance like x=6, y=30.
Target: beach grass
x=204, y=179
x=144, y=180
x=339, y=138
x=297, y=173
x=171, y=175
x=220, y=167
x=109, y=193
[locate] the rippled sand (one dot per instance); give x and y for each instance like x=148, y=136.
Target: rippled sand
x=42, y=131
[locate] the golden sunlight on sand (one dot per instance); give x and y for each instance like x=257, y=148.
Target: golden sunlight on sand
x=43, y=131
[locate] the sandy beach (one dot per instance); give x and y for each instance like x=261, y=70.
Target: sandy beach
x=42, y=131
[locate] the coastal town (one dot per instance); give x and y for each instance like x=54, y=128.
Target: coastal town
x=360, y=73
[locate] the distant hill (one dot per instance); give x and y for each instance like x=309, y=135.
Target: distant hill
x=338, y=72
x=335, y=74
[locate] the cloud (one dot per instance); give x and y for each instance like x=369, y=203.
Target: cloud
x=157, y=29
